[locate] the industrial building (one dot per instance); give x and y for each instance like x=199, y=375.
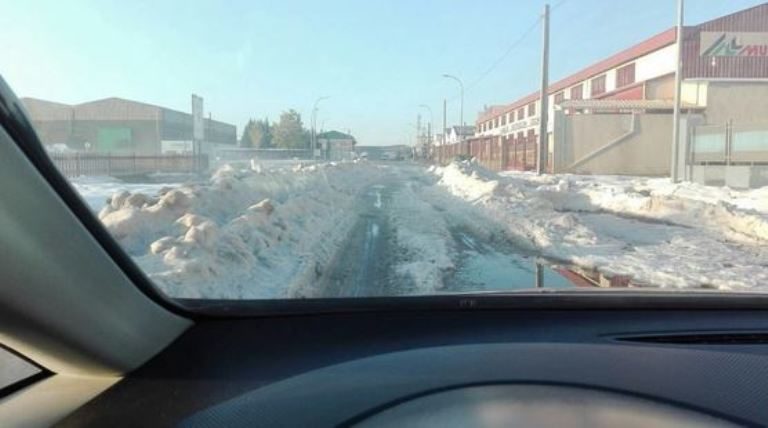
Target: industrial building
x=615, y=116
x=336, y=146
x=120, y=126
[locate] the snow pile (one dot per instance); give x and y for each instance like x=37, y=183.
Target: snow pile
x=59, y=148
x=739, y=215
x=244, y=234
x=469, y=183
x=659, y=233
x=97, y=190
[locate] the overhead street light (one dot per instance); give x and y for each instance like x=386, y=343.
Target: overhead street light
x=431, y=121
x=313, y=138
x=461, y=110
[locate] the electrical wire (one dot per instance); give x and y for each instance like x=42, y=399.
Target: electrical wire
x=507, y=52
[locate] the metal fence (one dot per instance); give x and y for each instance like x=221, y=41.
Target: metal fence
x=77, y=164
x=729, y=144
x=496, y=153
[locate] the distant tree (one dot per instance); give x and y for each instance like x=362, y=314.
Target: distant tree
x=246, y=141
x=289, y=133
x=257, y=134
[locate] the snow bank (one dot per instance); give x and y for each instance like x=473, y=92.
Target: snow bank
x=739, y=215
x=244, y=234
x=659, y=233
x=96, y=190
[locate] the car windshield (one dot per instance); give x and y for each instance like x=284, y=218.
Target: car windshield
x=279, y=150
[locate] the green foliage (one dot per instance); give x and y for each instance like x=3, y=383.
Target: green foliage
x=257, y=134
x=245, y=140
x=289, y=133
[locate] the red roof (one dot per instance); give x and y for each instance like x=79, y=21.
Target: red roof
x=645, y=47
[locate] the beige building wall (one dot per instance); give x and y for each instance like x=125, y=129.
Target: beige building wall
x=620, y=144
x=742, y=102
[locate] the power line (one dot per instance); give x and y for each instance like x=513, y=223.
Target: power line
x=558, y=4
x=508, y=51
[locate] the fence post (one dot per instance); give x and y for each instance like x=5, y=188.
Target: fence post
x=503, y=155
x=728, y=141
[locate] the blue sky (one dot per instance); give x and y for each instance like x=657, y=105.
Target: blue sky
x=377, y=60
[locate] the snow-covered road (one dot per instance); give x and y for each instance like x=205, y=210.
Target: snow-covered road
x=397, y=228
x=411, y=238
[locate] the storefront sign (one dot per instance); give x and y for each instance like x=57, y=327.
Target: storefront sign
x=733, y=44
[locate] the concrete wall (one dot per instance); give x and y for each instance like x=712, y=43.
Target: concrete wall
x=53, y=131
x=116, y=109
x=144, y=135
x=734, y=176
x=613, y=144
x=175, y=125
x=742, y=102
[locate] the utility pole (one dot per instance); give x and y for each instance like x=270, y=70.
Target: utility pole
x=445, y=125
x=674, y=173
x=429, y=124
x=461, y=108
x=419, y=133
x=541, y=165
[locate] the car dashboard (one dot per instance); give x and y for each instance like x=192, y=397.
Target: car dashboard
x=452, y=368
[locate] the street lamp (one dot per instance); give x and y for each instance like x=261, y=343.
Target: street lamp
x=313, y=139
x=430, y=112
x=461, y=111
x=429, y=127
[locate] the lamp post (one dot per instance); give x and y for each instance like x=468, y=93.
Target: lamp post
x=313, y=137
x=461, y=110
x=675, y=159
x=429, y=125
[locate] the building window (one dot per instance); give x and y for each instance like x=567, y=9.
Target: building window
x=521, y=113
x=559, y=97
x=504, y=120
x=598, y=85
x=577, y=92
x=625, y=75
x=531, y=109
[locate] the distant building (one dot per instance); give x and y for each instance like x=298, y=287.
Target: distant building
x=336, y=145
x=615, y=116
x=455, y=134
x=385, y=152
x=118, y=125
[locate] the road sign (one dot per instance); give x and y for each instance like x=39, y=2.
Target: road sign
x=198, y=128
